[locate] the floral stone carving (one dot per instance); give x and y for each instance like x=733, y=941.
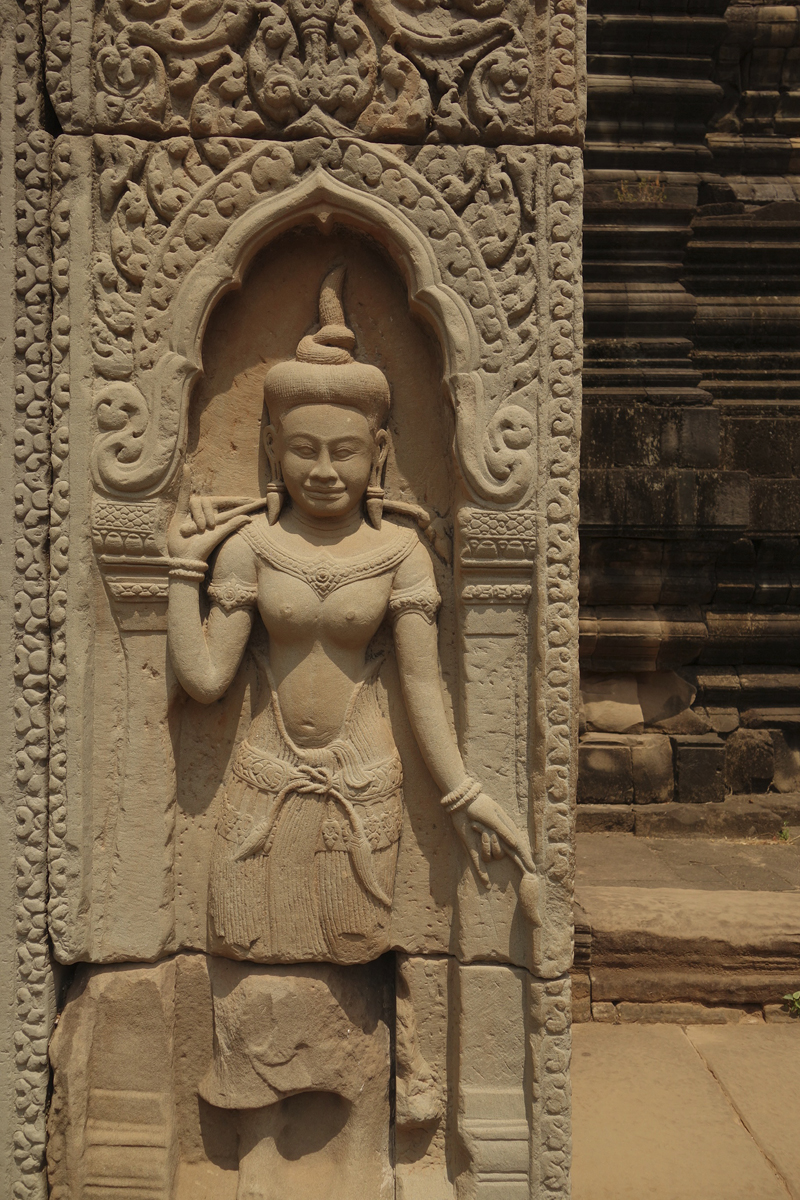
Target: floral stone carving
x=384, y=69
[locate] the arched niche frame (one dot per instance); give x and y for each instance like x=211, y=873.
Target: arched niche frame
x=515, y=536
x=142, y=421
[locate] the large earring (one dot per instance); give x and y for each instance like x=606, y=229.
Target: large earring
x=276, y=491
x=375, y=497
x=276, y=488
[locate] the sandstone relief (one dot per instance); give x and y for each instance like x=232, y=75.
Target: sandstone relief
x=311, y=387
x=386, y=70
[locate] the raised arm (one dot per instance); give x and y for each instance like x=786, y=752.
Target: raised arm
x=485, y=829
x=206, y=657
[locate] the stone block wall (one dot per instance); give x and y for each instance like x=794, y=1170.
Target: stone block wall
x=690, y=511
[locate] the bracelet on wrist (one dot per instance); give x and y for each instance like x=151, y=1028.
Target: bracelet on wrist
x=187, y=568
x=462, y=795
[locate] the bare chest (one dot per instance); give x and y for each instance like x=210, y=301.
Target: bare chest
x=348, y=614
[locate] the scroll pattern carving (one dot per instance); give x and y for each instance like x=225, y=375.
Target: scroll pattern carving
x=169, y=207
x=33, y=981
x=550, y=1014
x=559, y=506
x=566, y=99
x=383, y=69
x=58, y=912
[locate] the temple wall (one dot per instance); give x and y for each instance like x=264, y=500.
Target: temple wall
x=690, y=656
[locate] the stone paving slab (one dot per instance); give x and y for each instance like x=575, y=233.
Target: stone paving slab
x=619, y=859
x=631, y=920
x=651, y=1122
x=759, y=1070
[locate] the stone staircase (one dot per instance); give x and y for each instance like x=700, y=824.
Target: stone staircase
x=686, y=930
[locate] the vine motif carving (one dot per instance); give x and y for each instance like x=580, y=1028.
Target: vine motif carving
x=170, y=206
x=384, y=69
x=567, y=103
x=58, y=908
x=550, y=1013
x=33, y=985
x=559, y=505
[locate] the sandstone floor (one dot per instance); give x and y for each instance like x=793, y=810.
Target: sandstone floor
x=697, y=930
x=664, y=1112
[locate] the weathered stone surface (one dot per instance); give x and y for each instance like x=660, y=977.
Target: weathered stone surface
x=678, y=1012
x=653, y=779
x=700, y=770
x=778, y=1014
x=605, y=773
x=717, y=947
x=759, y=1073
x=651, y=1119
x=711, y=986
x=749, y=761
x=709, y=864
x=581, y=997
x=689, y=546
x=134, y=1049
x=604, y=818
x=786, y=758
x=610, y=703
x=293, y=353
x=739, y=816
x=664, y=695
x=384, y=71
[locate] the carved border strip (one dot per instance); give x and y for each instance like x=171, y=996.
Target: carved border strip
x=34, y=997
x=566, y=60
x=550, y=1020
x=58, y=913
x=560, y=210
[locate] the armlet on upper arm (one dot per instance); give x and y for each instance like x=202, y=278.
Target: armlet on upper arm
x=232, y=592
x=421, y=597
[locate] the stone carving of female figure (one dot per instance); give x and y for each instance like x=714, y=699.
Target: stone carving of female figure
x=305, y=849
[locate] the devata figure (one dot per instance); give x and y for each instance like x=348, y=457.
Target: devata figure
x=305, y=849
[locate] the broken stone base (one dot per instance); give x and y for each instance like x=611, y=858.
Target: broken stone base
x=202, y=1077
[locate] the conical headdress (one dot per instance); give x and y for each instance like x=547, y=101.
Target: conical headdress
x=324, y=371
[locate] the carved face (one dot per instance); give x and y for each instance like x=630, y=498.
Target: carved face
x=327, y=453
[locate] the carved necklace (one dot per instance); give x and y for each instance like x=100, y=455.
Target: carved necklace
x=324, y=573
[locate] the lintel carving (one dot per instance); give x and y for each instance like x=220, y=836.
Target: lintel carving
x=496, y=71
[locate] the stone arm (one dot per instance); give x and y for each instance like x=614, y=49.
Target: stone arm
x=417, y=650
x=483, y=826
x=206, y=657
